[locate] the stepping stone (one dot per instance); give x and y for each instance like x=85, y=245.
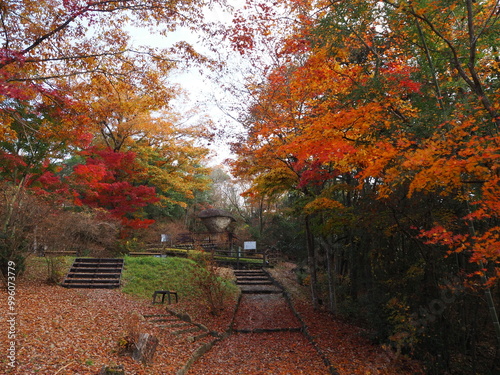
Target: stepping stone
x=198, y=337
x=164, y=320
x=188, y=330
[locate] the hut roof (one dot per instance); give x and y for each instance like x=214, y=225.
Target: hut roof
x=214, y=212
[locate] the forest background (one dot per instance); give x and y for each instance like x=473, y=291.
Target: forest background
x=369, y=152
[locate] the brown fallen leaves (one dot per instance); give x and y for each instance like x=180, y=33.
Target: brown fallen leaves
x=75, y=331
x=264, y=312
x=277, y=353
x=344, y=345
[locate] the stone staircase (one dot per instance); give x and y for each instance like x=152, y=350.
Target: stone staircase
x=181, y=327
x=255, y=282
x=94, y=273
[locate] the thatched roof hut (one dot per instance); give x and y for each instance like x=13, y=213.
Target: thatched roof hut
x=216, y=220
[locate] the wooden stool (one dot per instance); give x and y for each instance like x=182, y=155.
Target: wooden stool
x=163, y=293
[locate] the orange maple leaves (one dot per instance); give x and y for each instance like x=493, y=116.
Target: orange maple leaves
x=367, y=96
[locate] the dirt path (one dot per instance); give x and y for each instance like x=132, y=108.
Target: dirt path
x=276, y=353
x=266, y=338
x=77, y=332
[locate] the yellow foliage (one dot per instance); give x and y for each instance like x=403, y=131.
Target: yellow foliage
x=323, y=203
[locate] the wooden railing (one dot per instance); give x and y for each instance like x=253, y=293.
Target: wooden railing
x=235, y=256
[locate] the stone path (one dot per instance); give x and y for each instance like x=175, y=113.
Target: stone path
x=266, y=336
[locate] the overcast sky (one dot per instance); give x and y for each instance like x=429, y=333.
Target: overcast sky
x=204, y=94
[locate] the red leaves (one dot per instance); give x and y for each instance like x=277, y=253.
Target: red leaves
x=78, y=332
x=111, y=180
x=315, y=173
x=342, y=343
x=400, y=73
x=439, y=235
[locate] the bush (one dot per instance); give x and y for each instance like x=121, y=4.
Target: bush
x=56, y=269
x=212, y=288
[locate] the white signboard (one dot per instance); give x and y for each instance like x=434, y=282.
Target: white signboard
x=164, y=238
x=250, y=245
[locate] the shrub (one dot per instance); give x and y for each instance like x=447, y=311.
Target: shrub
x=213, y=289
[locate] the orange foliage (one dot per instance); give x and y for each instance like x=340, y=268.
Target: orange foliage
x=369, y=89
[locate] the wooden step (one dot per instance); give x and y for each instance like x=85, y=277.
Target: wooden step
x=94, y=270
x=248, y=282
x=99, y=275
x=91, y=286
x=91, y=281
x=94, y=273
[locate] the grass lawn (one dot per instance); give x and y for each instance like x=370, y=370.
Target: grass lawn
x=143, y=275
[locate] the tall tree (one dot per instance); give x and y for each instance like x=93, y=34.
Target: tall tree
x=375, y=108
x=59, y=63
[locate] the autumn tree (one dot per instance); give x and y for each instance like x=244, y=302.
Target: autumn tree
x=382, y=117
x=63, y=67
x=133, y=114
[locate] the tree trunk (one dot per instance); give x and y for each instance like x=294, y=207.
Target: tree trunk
x=145, y=348
x=332, y=285
x=311, y=261
x=331, y=274
x=491, y=307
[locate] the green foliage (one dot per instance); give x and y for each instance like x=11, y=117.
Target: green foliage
x=286, y=235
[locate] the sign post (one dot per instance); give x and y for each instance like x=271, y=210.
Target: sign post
x=250, y=245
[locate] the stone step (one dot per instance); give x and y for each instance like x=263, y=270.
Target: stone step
x=74, y=270
x=94, y=273
x=99, y=275
x=92, y=286
x=260, y=289
x=248, y=282
x=249, y=272
x=253, y=278
x=91, y=281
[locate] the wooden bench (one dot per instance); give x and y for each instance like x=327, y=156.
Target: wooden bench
x=163, y=293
